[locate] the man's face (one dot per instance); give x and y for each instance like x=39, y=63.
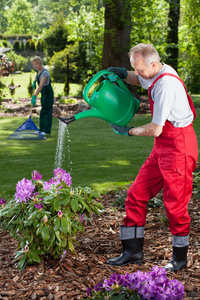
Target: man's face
x=141, y=69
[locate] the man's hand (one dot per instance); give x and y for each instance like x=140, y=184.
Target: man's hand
x=122, y=130
x=122, y=73
x=33, y=100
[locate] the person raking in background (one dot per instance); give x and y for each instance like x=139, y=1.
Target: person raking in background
x=171, y=162
x=47, y=95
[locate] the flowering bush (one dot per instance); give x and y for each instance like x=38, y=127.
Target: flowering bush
x=45, y=216
x=6, y=66
x=139, y=285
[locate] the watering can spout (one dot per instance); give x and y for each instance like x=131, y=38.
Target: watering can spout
x=91, y=113
x=67, y=120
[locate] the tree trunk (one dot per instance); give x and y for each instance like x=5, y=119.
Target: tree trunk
x=117, y=34
x=172, y=38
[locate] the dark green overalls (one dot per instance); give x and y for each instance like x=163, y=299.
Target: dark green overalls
x=47, y=97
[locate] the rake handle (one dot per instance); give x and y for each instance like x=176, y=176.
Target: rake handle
x=31, y=109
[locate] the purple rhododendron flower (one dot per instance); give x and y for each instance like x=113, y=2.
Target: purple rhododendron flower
x=2, y=201
x=24, y=190
x=56, y=181
x=46, y=185
x=152, y=285
x=63, y=176
x=115, y=280
x=39, y=206
x=34, y=195
x=98, y=287
x=58, y=172
x=36, y=175
x=67, y=179
x=89, y=292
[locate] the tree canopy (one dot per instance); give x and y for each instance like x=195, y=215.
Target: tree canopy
x=171, y=25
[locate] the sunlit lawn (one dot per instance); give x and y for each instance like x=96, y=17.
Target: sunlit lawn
x=94, y=154
x=23, y=80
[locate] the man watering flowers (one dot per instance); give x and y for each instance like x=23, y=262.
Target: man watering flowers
x=171, y=162
x=47, y=95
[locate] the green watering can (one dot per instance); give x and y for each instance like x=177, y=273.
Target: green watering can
x=111, y=101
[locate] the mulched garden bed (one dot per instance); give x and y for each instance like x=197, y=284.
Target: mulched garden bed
x=69, y=277
x=22, y=107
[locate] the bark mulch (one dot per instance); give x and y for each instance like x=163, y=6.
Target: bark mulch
x=69, y=277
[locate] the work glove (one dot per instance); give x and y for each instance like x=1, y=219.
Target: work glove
x=122, y=73
x=34, y=84
x=33, y=100
x=122, y=130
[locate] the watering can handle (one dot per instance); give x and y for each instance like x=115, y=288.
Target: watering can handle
x=91, y=82
x=95, y=78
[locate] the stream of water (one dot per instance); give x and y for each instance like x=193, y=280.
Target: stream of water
x=63, y=149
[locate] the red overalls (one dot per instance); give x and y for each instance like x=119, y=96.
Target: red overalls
x=169, y=166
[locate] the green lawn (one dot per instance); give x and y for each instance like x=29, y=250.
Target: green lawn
x=196, y=99
x=98, y=157
x=23, y=80
x=94, y=154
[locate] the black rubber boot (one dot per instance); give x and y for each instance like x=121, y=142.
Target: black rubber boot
x=179, y=259
x=132, y=253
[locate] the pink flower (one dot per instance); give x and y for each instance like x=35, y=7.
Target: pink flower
x=63, y=176
x=67, y=179
x=24, y=190
x=81, y=218
x=58, y=172
x=2, y=201
x=39, y=205
x=60, y=214
x=36, y=175
x=46, y=186
x=64, y=253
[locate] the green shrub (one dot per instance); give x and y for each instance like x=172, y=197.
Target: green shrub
x=32, y=45
x=56, y=37
x=19, y=61
x=39, y=46
x=22, y=45
x=46, y=216
x=5, y=42
x=2, y=87
x=30, y=87
x=16, y=45
x=58, y=64
x=27, y=45
x=12, y=88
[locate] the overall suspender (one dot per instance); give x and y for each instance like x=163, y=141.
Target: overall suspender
x=188, y=96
